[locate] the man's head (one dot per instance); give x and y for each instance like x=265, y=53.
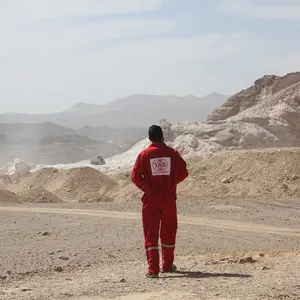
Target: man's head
x=155, y=134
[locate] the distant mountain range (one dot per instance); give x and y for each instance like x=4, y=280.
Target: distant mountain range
x=86, y=130
x=49, y=143
x=136, y=111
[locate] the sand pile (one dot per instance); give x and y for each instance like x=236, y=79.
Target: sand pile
x=84, y=183
x=38, y=195
x=49, y=179
x=51, y=185
x=244, y=173
x=126, y=190
x=237, y=173
x=7, y=197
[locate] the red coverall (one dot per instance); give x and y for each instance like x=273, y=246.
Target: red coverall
x=157, y=171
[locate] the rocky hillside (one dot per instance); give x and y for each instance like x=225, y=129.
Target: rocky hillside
x=263, y=88
x=265, y=115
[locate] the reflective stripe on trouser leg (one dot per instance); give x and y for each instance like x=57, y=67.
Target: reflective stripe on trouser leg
x=152, y=248
x=152, y=254
x=168, y=246
x=168, y=256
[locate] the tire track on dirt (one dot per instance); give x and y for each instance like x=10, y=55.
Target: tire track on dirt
x=197, y=221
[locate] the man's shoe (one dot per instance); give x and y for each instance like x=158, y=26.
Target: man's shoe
x=152, y=275
x=172, y=269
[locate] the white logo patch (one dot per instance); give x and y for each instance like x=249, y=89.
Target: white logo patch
x=160, y=166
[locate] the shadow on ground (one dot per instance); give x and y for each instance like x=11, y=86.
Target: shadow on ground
x=195, y=274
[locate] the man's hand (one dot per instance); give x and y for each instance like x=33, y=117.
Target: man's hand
x=145, y=188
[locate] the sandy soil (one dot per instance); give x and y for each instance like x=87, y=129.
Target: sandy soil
x=99, y=248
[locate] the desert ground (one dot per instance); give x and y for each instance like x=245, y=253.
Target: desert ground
x=226, y=249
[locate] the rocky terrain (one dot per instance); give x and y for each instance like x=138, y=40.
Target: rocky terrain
x=261, y=117
x=265, y=115
x=76, y=233
x=266, y=86
x=227, y=174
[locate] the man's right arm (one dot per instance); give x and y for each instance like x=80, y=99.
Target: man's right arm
x=137, y=175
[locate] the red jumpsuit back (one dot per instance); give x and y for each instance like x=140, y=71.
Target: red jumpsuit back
x=157, y=171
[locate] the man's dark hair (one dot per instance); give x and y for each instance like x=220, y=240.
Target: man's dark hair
x=155, y=134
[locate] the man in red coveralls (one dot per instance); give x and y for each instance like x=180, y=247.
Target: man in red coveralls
x=157, y=171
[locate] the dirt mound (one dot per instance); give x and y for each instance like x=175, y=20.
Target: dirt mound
x=79, y=182
x=233, y=174
x=38, y=195
x=94, y=197
x=244, y=173
x=48, y=178
x=229, y=174
x=8, y=197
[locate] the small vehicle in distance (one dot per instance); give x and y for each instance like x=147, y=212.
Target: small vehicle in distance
x=99, y=160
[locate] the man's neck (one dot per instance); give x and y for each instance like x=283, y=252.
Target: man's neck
x=158, y=143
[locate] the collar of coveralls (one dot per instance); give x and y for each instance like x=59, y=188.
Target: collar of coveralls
x=159, y=144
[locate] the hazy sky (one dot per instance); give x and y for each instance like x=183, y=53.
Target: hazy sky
x=54, y=53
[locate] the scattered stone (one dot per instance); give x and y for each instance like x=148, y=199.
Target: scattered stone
x=26, y=290
x=3, y=277
x=265, y=268
x=228, y=169
x=51, y=253
x=295, y=177
x=227, y=180
x=246, y=260
x=63, y=257
x=224, y=259
x=59, y=251
x=285, y=186
x=122, y=280
x=68, y=295
x=45, y=233
x=58, y=269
